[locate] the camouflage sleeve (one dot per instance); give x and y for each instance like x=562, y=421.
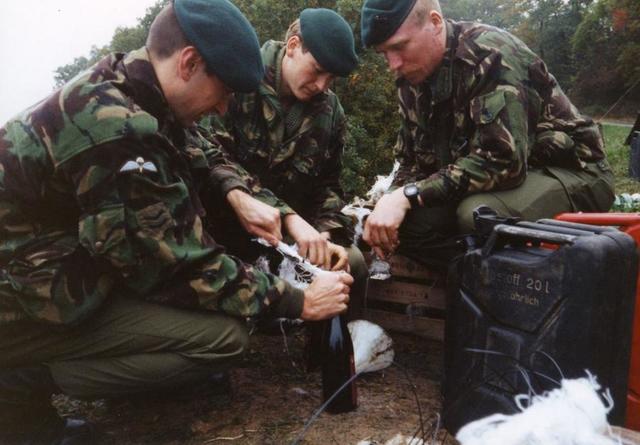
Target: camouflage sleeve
x=404, y=150
x=226, y=173
x=404, y=154
x=144, y=223
x=328, y=194
x=497, y=149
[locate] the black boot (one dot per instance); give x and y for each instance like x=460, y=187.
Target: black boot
x=26, y=414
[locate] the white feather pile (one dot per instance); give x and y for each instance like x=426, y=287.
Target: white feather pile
x=360, y=208
x=372, y=347
x=358, y=211
x=262, y=264
x=572, y=414
x=382, y=184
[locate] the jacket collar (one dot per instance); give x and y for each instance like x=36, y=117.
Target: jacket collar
x=441, y=81
x=146, y=91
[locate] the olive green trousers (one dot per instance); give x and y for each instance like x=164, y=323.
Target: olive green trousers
x=432, y=235
x=128, y=347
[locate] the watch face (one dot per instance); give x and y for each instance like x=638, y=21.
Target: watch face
x=411, y=190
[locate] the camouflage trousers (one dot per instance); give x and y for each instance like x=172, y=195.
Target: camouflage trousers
x=432, y=235
x=127, y=347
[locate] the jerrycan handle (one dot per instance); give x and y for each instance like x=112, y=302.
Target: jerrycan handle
x=504, y=234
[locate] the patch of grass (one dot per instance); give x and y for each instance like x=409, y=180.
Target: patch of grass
x=618, y=155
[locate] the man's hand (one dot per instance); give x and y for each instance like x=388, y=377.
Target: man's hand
x=381, y=228
x=311, y=244
x=339, y=258
x=327, y=296
x=256, y=217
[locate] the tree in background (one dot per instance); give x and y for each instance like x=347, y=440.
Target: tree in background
x=505, y=14
x=547, y=28
x=626, y=21
x=606, y=46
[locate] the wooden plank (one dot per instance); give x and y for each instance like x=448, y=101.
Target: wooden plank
x=407, y=293
x=401, y=266
x=629, y=437
x=432, y=328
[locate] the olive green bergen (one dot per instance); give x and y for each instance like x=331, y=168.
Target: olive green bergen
x=289, y=159
x=489, y=113
x=99, y=194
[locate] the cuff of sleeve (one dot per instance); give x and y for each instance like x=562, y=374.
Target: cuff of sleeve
x=327, y=225
x=290, y=304
x=433, y=192
x=228, y=184
x=285, y=210
x=340, y=232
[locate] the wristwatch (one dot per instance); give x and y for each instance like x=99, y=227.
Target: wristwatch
x=412, y=193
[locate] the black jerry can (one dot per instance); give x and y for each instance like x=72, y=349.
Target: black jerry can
x=536, y=303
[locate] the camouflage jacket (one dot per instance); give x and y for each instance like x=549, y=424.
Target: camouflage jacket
x=489, y=112
x=99, y=193
x=290, y=159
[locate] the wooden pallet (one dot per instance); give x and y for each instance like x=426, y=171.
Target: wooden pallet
x=411, y=301
x=628, y=437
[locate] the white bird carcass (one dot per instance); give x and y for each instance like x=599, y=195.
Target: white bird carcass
x=372, y=347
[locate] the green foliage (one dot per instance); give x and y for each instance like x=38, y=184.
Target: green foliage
x=369, y=99
x=626, y=22
x=606, y=45
x=618, y=156
x=506, y=14
x=67, y=72
x=550, y=22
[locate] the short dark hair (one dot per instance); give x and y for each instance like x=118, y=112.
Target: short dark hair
x=165, y=35
x=294, y=30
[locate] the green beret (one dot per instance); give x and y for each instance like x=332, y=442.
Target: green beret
x=330, y=40
x=225, y=39
x=382, y=18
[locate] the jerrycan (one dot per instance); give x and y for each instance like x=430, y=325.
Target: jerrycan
x=532, y=303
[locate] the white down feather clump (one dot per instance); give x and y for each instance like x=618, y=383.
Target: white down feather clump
x=572, y=414
x=372, y=347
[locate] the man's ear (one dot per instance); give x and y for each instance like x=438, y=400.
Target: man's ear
x=436, y=18
x=189, y=61
x=293, y=43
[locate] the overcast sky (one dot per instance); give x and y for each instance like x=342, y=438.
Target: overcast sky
x=38, y=36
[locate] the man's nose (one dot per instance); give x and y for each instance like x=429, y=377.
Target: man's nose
x=223, y=105
x=394, y=61
x=323, y=82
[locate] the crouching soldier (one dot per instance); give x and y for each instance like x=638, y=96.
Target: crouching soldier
x=284, y=142
x=483, y=123
x=109, y=285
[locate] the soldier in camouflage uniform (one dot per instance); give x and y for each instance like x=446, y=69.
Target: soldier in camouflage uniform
x=483, y=122
x=109, y=285
x=287, y=139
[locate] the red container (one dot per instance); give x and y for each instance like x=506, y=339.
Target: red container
x=630, y=224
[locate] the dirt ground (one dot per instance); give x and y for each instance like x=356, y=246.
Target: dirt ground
x=273, y=398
